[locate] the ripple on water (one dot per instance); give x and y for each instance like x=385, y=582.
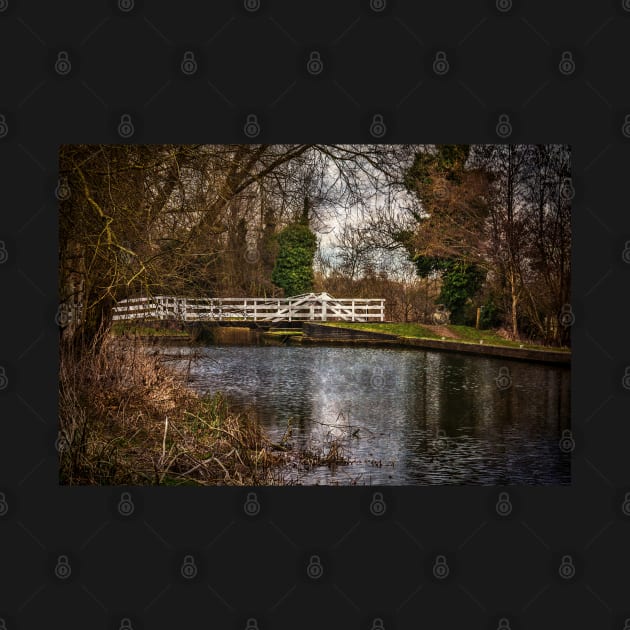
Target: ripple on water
x=422, y=417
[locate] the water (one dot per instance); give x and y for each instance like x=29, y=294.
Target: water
x=403, y=417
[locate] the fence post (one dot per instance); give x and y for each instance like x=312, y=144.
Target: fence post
x=245, y=308
x=382, y=310
x=290, y=311
x=352, y=310
x=324, y=309
x=255, y=302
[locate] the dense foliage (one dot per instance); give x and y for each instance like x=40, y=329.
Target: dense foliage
x=492, y=225
x=293, y=271
x=447, y=217
x=461, y=281
x=484, y=225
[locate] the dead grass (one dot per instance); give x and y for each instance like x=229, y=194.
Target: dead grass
x=125, y=418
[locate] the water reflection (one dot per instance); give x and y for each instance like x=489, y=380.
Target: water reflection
x=404, y=416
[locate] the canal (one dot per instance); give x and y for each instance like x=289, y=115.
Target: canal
x=400, y=417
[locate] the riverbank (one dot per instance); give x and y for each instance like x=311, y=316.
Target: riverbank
x=128, y=419
x=450, y=338
x=369, y=334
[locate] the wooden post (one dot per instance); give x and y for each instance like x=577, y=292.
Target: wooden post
x=352, y=310
x=478, y=316
x=382, y=310
x=255, y=302
x=323, y=310
x=290, y=310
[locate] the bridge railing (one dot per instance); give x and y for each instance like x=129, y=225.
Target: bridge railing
x=300, y=308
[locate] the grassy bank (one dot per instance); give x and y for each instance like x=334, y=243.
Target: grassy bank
x=461, y=334
x=402, y=329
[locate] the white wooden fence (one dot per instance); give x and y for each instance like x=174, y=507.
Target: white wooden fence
x=308, y=307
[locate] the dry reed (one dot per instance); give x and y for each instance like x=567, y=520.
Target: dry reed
x=127, y=419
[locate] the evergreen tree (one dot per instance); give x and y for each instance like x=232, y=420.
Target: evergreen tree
x=293, y=270
x=449, y=224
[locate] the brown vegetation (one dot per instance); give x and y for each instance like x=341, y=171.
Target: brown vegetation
x=125, y=418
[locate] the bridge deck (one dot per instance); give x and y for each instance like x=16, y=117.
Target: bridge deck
x=308, y=307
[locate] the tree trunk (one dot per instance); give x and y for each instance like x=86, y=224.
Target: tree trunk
x=71, y=310
x=514, y=305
